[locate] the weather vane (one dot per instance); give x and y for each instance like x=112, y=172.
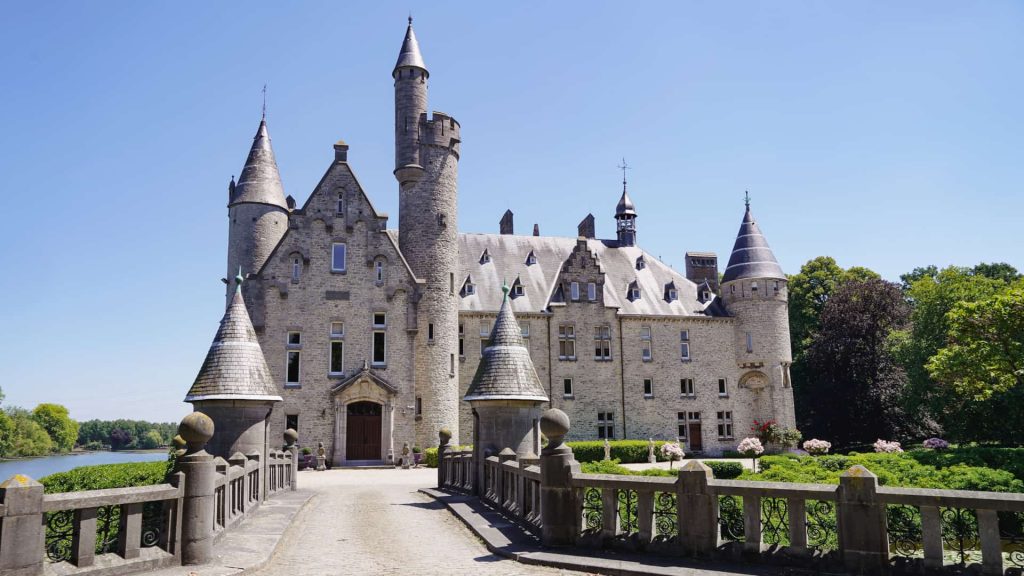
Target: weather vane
x=746, y=198
x=624, y=167
x=264, y=101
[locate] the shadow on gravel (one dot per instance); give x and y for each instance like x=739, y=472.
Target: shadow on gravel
x=433, y=505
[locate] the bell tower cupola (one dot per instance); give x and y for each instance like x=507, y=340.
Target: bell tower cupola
x=625, y=214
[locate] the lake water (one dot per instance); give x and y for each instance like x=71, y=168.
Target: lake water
x=39, y=467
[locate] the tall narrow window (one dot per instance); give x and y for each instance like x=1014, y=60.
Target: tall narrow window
x=524, y=329
x=602, y=343
x=750, y=342
x=725, y=425
x=451, y=365
x=684, y=344
x=462, y=340
x=380, y=342
x=451, y=283
x=648, y=387
x=753, y=288
x=574, y=290
x=419, y=406
x=292, y=373
x=723, y=389
x=378, y=271
x=591, y=291
x=337, y=357
x=606, y=425
x=686, y=387
x=341, y=203
x=430, y=332
x=566, y=342
x=645, y=343
x=338, y=257
x=566, y=386
x=681, y=425
x=296, y=269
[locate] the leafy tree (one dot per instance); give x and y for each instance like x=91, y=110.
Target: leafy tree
x=6, y=434
x=28, y=437
x=120, y=439
x=908, y=279
x=54, y=418
x=151, y=439
x=856, y=384
x=997, y=271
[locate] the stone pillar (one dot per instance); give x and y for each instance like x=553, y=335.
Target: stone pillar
x=698, y=524
x=560, y=517
x=290, y=437
x=198, y=502
x=21, y=528
x=445, y=436
x=863, y=541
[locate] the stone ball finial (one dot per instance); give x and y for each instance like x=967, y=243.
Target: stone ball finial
x=290, y=437
x=555, y=425
x=196, y=429
x=444, y=435
x=178, y=441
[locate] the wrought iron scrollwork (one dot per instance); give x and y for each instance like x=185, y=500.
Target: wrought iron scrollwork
x=730, y=518
x=628, y=521
x=107, y=520
x=666, y=519
x=154, y=518
x=774, y=521
x=822, y=533
x=904, y=524
x=591, y=510
x=960, y=533
x=59, y=529
x=1011, y=532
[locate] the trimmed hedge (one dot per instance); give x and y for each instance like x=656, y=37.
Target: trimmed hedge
x=726, y=470
x=626, y=451
x=430, y=455
x=106, y=476
x=721, y=470
x=1008, y=459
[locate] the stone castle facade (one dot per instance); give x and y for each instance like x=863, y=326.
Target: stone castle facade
x=372, y=335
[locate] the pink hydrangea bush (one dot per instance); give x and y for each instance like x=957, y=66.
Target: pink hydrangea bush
x=817, y=447
x=750, y=447
x=672, y=452
x=935, y=444
x=890, y=447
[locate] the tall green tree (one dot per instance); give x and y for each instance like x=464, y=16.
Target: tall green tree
x=54, y=418
x=28, y=437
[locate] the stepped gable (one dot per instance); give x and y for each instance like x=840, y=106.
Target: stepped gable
x=235, y=368
x=506, y=371
x=751, y=257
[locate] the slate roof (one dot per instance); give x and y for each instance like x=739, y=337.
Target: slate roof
x=410, y=53
x=506, y=371
x=625, y=205
x=751, y=257
x=235, y=368
x=508, y=254
x=260, y=181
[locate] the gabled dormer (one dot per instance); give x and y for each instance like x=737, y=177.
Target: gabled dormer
x=517, y=289
x=641, y=262
x=485, y=257
x=633, y=291
x=468, y=288
x=671, y=292
x=582, y=276
x=704, y=292
x=531, y=258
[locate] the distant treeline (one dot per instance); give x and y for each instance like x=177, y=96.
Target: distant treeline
x=125, y=434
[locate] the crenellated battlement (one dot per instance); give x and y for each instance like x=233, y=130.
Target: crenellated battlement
x=440, y=130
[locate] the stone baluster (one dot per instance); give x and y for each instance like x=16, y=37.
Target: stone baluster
x=752, y=523
x=129, y=536
x=197, y=504
x=83, y=537
x=696, y=510
x=560, y=517
x=290, y=439
x=797, y=510
x=991, y=544
x=241, y=497
x=609, y=514
x=863, y=541
x=645, y=515
x=444, y=436
x=931, y=537
x=21, y=528
x=257, y=489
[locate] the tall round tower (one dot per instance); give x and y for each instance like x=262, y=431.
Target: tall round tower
x=754, y=290
x=426, y=167
x=257, y=210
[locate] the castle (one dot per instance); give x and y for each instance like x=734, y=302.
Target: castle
x=371, y=336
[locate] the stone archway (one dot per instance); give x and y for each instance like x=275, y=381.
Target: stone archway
x=363, y=405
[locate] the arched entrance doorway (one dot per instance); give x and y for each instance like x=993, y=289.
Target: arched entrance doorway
x=363, y=431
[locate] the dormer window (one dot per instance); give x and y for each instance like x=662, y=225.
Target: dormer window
x=517, y=289
x=641, y=263
x=485, y=257
x=633, y=291
x=531, y=258
x=468, y=289
x=705, y=296
x=671, y=293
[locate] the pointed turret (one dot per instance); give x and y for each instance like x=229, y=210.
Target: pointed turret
x=235, y=368
x=751, y=257
x=409, y=56
x=260, y=181
x=625, y=214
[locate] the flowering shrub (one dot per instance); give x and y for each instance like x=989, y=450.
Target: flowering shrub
x=767, y=431
x=887, y=446
x=750, y=447
x=817, y=447
x=672, y=452
x=789, y=437
x=935, y=444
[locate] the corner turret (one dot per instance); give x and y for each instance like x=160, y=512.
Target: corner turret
x=410, y=75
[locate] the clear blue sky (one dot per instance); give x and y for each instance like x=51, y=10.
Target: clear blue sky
x=885, y=134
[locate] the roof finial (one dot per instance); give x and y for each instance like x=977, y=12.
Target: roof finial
x=410, y=17
x=746, y=198
x=504, y=288
x=624, y=167
x=264, y=101
x=238, y=281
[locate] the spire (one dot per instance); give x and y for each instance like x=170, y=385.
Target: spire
x=410, y=53
x=625, y=214
x=506, y=371
x=625, y=207
x=235, y=368
x=751, y=257
x=260, y=182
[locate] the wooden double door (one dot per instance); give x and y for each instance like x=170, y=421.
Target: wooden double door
x=363, y=431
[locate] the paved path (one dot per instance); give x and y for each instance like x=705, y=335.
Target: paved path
x=375, y=522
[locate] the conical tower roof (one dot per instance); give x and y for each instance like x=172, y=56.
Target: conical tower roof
x=410, y=53
x=506, y=371
x=235, y=368
x=751, y=257
x=260, y=181
x=625, y=207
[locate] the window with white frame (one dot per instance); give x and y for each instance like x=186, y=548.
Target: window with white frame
x=485, y=334
x=337, y=357
x=681, y=425
x=592, y=291
x=566, y=342
x=462, y=340
x=684, y=344
x=725, y=425
x=531, y=259
x=602, y=342
x=524, y=329
x=292, y=371
x=686, y=387
x=723, y=388
x=294, y=339
x=645, y=343
x=296, y=269
x=673, y=294
x=648, y=387
x=605, y=425
x=634, y=292
x=337, y=329
x=469, y=289
x=378, y=271
x=379, y=354
x=574, y=290
x=338, y=250
x=566, y=386
x=341, y=203
x=518, y=290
